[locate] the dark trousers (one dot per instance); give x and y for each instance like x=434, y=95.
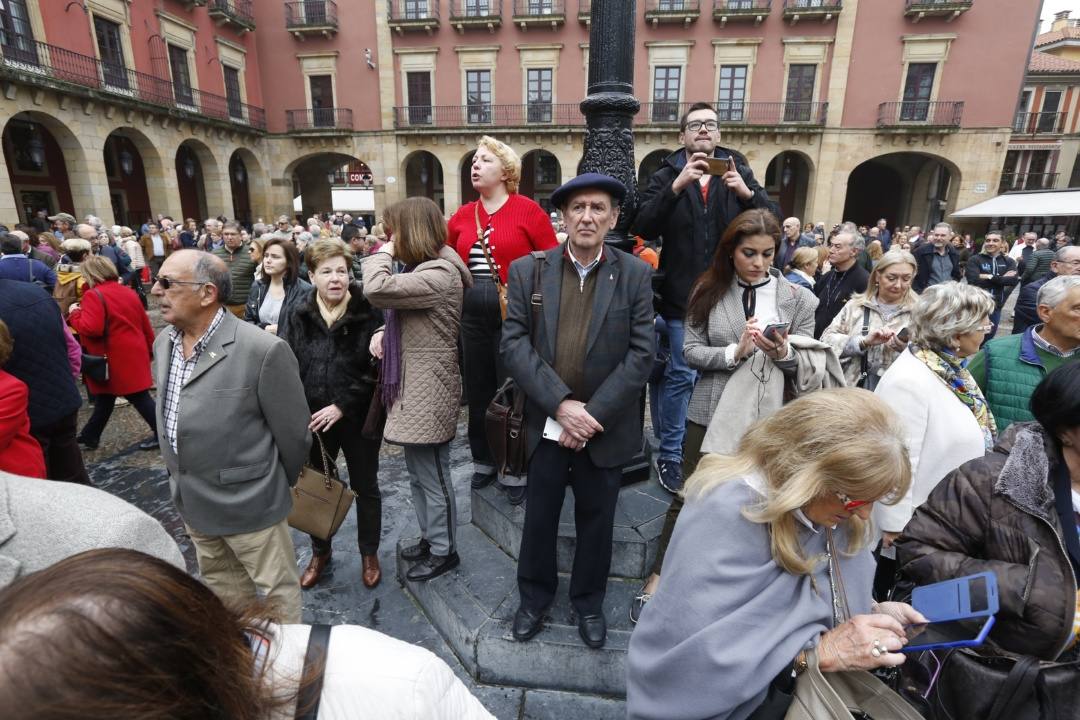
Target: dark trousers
x=695, y=435
x=481, y=328
x=362, y=461
x=596, y=492
x=63, y=459
x=103, y=407
x=155, y=262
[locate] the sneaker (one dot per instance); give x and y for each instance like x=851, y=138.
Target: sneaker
x=121, y=402
x=515, y=494
x=669, y=473
x=638, y=604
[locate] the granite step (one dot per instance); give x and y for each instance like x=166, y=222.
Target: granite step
x=473, y=607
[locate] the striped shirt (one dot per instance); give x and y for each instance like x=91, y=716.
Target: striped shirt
x=478, y=264
x=180, y=369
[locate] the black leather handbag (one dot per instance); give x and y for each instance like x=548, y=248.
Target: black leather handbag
x=504, y=420
x=96, y=367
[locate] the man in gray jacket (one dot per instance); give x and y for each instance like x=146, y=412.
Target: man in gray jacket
x=231, y=433
x=583, y=376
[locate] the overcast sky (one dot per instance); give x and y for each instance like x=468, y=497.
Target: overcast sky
x=1053, y=6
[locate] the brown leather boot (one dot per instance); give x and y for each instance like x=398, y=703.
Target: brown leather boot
x=372, y=573
x=314, y=570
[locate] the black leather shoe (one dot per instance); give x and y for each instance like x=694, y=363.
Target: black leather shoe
x=432, y=567
x=593, y=630
x=527, y=623
x=480, y=481
x=150, y=443
x=88, y=444
x=419, y=551
x=515, y=494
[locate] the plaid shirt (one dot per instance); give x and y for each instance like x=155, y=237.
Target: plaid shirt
x=180, y=369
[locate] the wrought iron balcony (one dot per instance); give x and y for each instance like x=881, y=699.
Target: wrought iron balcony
x=725, y=11
x=319, y=120
x=192, y=4
x=539, y=12
x=919, y=113
x=760, y=114
x=949, y=9
x=824, y=10
x=233, y=12
x=672, y=11
x=1039, y=123
x=1027, y=181
x=311, y=17
x=413, y=15
x=484, y=14
x=45, y=65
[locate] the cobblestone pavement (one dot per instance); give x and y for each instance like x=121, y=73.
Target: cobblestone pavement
x=140, y=478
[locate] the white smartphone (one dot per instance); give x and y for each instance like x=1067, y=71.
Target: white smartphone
x=552, y=430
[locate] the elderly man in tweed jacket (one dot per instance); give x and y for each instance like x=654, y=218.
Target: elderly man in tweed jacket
x=583, y=378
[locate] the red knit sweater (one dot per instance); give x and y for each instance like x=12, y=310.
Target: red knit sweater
x=518, y=227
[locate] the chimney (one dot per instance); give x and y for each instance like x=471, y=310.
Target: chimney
x=1061, y=21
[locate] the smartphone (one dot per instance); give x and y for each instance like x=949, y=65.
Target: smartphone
x=966, y=597
x=904, y=335
x=717, y=166
x=948, y=634
x=776, y=331
x=552, y=430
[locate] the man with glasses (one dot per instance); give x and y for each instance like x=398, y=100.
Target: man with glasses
x=235, y=252
x=845, y=278
x=230, y=435
x=937, y=261
x=687, y=209
x=1066, y=262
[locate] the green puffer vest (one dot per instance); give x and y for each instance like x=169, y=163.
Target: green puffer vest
x=1014, y=366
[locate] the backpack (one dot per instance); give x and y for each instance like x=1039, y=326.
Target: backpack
x=66, y=294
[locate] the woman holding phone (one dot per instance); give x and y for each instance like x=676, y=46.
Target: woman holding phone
x=732, y=305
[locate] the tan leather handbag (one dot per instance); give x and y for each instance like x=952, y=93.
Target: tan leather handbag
x=320, y=500
x=840, y=695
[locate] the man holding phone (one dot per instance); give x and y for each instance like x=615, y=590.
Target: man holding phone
x=688, y=204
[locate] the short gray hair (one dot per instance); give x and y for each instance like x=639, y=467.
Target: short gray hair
x=1062, y=254
x=945, y=225
x=1042, y=244
x=1054, y=291
x=947, y=310
x=212, y=270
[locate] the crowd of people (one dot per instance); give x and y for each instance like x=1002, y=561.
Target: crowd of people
x=824, y=403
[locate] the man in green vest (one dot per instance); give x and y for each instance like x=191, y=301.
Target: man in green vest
x=1008, y=368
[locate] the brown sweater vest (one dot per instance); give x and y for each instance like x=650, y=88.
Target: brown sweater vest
x=575, y=315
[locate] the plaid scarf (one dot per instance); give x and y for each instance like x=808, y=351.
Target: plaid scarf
x=955, y=374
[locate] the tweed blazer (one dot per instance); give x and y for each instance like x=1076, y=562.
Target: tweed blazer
x=704, y=347
x=42, y=522
x=616, y=367
x=242, y=435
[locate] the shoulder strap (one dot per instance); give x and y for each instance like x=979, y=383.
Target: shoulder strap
x=484, y=246
x=865, y=364
x=1017, y=689
x=307, y=701
x=536, y=301
x=105, y=307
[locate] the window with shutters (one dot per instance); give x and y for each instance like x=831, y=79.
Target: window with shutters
x=800, y=92
x=16, y=35
x=233, y=98
x=418, y=87
x=732, y=93
x=666, y=82
x=918, y=89
x=111, y=52
x=181, y=79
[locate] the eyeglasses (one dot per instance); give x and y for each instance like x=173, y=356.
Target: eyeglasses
x=850, y=504
x=167, y=283
x=710, y=125
x=985, y=329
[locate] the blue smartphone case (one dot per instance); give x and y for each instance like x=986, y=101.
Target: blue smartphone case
x=957, y=599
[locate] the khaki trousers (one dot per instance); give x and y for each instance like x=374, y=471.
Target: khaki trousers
x=240, y=567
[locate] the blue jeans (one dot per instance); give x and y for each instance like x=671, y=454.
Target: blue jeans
x=672, y=395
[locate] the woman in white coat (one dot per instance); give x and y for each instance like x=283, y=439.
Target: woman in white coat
x=152, y=641
x=947, y=419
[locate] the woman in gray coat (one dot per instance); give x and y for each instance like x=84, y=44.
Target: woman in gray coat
x=769, y=569
x=420, y=381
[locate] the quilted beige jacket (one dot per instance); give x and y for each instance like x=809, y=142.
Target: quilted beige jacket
x=428, y=300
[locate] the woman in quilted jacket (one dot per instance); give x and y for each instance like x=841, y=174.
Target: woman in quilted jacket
x=420, y=382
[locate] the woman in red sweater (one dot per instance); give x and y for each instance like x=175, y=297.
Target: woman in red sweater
x=128, y=343
x=20, y=453
x=495, y=230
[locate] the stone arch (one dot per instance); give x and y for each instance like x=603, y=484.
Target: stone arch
x=788, y=179
x=541, y=175
x=253, y=182
x=649, y=165
x=72, y=188
x=468, y=193
x=148, y=177
x=312, y=192
x=906, y=187
x=422, y=173
x=199, y=178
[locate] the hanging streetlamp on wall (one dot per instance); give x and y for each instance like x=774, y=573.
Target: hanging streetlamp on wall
x=36, y=147
x=238, y=173
x=127, y=162
x=189, y=167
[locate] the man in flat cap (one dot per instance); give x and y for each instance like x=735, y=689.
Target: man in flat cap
x=583, y=374
x=63, y=225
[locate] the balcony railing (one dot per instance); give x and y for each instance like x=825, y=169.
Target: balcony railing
x=1039, y=123
x=795, y=10
x=539, y=12
x=311, y=16
x=41, y=63
x=762, y=114
x=234, y=12
x=1027, y=181
x=945, y=114
x=918, y=9
x=672, y=11
x=407, y=15
x=320, y=119
x=729, y=10
x=476, y=14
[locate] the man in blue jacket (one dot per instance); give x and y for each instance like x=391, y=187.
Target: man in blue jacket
x=1066, y=262
x=16, y=265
